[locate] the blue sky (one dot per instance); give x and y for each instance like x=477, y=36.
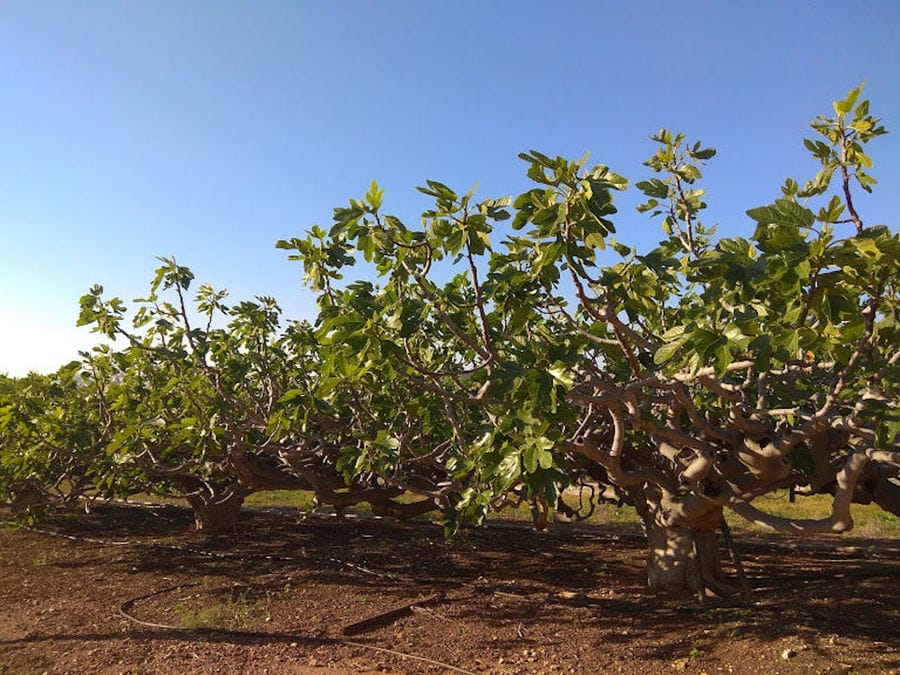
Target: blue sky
x=208, y=130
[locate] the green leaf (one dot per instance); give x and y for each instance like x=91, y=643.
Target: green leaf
x=673, y=344
x=723, y=358
x=529, y=459
x=561, y=374
x=545, y=459
x=374, y=196
x=292, y=395
x=510, y=467
x=784, y=211
x=653, y=188
x=595, y=240
x=845, y=106
x=538, y=454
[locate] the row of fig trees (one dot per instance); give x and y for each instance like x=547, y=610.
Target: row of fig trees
x=498, y=357
x=206, y=401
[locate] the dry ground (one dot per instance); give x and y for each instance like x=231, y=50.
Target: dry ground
x=508, y=600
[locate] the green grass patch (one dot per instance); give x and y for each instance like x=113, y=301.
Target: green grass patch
x=869, y=520
x=238, y=611
x=300, y=499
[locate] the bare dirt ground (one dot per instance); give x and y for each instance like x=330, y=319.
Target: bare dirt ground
x=500, y=600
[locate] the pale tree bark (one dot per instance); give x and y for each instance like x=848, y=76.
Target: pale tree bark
x=682, y=543
x=685, y=559
x=840, y=519
x=217, y=512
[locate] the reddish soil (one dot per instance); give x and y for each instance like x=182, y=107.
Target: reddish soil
x=509, y=601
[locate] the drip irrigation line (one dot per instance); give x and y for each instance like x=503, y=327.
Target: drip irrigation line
x=73, y=537
x=475, y=586
x=126, y=607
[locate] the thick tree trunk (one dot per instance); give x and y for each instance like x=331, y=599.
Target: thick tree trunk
x=682, y=559
x=216, y=514
x=683, y=543
x=23, y=497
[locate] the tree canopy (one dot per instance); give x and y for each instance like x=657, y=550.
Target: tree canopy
x=497, y=356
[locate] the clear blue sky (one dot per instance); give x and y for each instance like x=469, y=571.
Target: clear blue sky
x=208, y=130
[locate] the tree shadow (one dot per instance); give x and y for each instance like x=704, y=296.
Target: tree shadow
x=520, y=582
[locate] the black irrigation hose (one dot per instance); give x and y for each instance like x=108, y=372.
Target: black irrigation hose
x=124, y=608
x=765, y=546
x=125, y=611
